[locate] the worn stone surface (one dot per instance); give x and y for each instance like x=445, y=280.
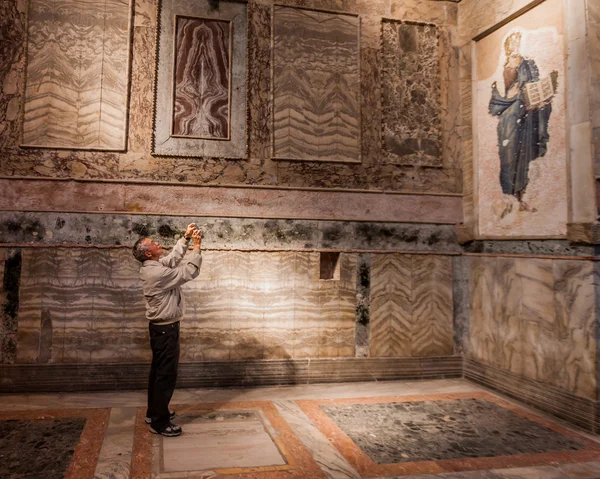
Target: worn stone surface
x=54, y=229
x=66, y=196
x=12, y=64
x=531, y=247
x=10, y=274
x=460, y=299
x=363, y=304
x=411, y=94
x=258, y=169
x=441, y=430
x=38, y=448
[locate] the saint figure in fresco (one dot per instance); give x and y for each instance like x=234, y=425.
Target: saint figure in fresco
x=523, y=112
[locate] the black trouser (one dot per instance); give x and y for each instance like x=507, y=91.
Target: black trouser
x=164, y=341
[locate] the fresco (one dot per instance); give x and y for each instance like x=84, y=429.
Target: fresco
x=519, y=124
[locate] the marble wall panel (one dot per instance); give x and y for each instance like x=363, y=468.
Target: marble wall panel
x=483, y=336
x=316, y=85
x=201, y=131
x=535, y=318
x=77, y=74
x=506, y=320
x=574, y=301
x=202, y=74
x=138, y=163
x=411, y=93
x=76, y=310
x=411, y=306
x=276, y=276
x=391, y=307
x=593, y=45
x=13, y=27
x=431, y=329
x=85, y=305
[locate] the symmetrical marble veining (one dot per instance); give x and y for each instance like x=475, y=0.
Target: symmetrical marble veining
x=202, y=74
x=201, y=81
x=77, y=74
x=534, y=318
x=411, y=93
x=316, y=85
x=411, y=305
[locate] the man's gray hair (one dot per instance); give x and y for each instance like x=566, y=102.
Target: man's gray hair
x=139, y=250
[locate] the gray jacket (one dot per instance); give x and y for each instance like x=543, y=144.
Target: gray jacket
x=162, y=282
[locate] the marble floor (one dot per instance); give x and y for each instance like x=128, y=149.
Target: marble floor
x=409, y=429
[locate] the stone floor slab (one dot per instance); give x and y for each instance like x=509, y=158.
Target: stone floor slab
x=218, y=441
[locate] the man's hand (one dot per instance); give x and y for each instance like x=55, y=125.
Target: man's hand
x=197, y=238
x=190, y=230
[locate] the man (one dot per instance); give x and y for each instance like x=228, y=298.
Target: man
x=162, y=279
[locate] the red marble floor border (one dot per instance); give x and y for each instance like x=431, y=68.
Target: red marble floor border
x=87, y=451
x=368, y=468
x=301, y=465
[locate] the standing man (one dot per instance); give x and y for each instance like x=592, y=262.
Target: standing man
x=162, y=279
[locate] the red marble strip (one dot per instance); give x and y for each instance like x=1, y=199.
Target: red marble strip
x=367, y=467
x=87, y=451
x=296, y=455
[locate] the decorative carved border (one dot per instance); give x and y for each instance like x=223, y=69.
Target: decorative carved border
x=202, y=143
x=439, y=88
x=272, y=93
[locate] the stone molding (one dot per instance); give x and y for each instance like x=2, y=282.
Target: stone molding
x=214, y=201
x=97, y=377
x=579, y=411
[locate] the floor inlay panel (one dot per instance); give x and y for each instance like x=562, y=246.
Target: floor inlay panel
x=51, y=444
x=441, y=433
x=248, y=439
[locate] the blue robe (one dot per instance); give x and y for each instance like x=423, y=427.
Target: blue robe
x=526, y=132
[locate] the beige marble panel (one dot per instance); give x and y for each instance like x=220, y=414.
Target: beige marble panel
x=247, y=324
x=411, y=306
x=484, y=337
x=432, y=329
x=575, y=309
x=391, y=306
x=537, y=317
x=507, y=301
x=276, y=277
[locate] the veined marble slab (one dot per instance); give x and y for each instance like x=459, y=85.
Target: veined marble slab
x=411, y=306
x=77, y=74
x=411, y=93
x=316, y=85
x=202, y=75
x=200, y=91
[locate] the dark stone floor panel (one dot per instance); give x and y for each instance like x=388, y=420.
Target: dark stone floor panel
x=443, y=430
x=35, y=449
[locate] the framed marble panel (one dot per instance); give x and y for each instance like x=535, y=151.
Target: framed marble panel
x=410, y=88
x=316, y=85
x=519, y=125
x=200, y=88
x=77, y=74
